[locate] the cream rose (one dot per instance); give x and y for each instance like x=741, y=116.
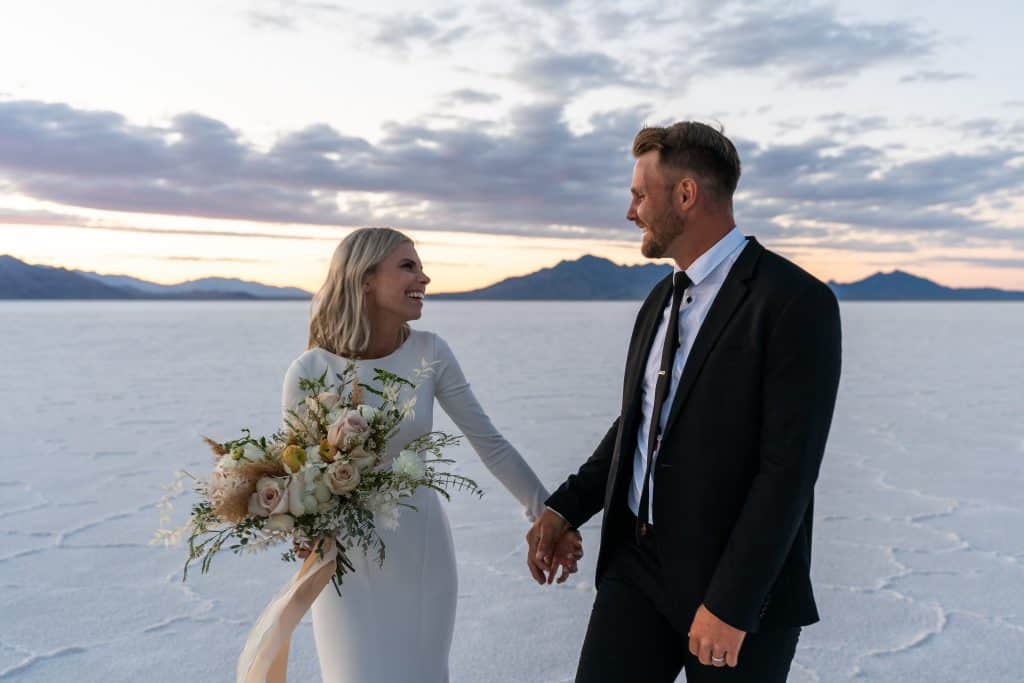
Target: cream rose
x=269, y=498
x=342, y=477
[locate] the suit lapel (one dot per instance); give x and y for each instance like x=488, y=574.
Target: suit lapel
x=730, y=296
x=642, y=349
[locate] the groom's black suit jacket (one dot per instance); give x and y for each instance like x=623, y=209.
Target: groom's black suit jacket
x=734, y=478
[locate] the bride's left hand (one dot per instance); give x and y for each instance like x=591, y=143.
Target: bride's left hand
x=568, y=552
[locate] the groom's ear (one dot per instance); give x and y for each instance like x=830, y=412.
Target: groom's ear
x=686, y=193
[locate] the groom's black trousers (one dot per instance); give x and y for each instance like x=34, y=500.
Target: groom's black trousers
x=630, y=639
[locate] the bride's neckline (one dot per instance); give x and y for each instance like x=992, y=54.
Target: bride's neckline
x=368, y=360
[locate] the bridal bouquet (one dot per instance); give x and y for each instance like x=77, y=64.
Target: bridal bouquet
x=318, y=481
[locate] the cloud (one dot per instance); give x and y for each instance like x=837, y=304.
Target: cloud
x=470, y=96
x=286, y=15
x=276, y=20
x=935, y=77
x=539, y=172
x=807, y=45
x=827, y=193
x=567, y=74
x=532, y=176
x=37, y=217
x=400, y=33
x=208, y=259
x=833, y=241
x=288, y=235
x=989, y=262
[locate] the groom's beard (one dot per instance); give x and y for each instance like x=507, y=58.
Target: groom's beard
x=659, y=234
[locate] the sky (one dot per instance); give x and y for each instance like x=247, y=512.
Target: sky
x=172, y=141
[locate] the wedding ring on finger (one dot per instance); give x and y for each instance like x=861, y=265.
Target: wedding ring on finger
x=718, y=661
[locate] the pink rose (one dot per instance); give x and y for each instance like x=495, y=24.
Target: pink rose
x=342, y=477
x=350, y=427
x=269, y=498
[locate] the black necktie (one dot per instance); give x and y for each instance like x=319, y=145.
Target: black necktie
x=680, y=281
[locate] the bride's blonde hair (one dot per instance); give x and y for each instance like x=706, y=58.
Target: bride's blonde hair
x=339, y=322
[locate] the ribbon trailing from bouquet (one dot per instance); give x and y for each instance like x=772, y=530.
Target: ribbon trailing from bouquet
x=264, y=658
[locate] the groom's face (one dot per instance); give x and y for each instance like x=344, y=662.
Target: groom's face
x=652, y=208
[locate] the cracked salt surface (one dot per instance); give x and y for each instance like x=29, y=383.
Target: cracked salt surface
x=919, y=531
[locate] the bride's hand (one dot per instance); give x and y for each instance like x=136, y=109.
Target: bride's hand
x=568, y=551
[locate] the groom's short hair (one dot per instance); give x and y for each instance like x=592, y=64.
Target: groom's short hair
x=695, y=147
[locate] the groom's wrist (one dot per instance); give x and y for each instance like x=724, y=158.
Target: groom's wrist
x=568, y=524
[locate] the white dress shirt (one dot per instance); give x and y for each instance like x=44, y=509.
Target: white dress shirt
x=707, y=274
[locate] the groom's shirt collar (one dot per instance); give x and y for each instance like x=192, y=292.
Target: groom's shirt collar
x=706, y=264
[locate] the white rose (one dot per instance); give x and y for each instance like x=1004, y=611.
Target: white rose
x=369, y=413
x=252, y=452
x=342, y=477
x=321, y=492
x=296, y=495
x=280, y=522
x=408, y=464
x=313, y=455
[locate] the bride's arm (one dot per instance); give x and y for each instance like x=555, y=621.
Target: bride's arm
x=500, y=457
x=291, y=394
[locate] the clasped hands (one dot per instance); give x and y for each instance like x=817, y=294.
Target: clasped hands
x=554, y=547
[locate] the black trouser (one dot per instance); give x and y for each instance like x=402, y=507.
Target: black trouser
x=630, y=639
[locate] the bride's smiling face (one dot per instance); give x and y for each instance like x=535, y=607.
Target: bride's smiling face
x=398, y=284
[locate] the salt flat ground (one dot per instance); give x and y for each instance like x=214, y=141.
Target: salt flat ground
x=919, y=538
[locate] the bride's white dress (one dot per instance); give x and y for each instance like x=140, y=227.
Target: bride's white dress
x=394, y=624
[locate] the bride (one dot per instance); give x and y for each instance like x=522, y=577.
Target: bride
x=394, y=623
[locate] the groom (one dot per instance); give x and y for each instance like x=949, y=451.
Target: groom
x=706, y=478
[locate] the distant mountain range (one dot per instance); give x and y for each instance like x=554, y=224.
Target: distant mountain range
x=590, y=277
x=901, y=286
x=585, y=279
x=20, y=280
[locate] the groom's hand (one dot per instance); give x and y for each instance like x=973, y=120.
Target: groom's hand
x=541, y=540
x=714, y=642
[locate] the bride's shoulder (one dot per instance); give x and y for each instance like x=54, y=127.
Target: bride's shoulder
x=430, y=344
x=309, y=360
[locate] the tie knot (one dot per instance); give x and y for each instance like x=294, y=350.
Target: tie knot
x=680, y=281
